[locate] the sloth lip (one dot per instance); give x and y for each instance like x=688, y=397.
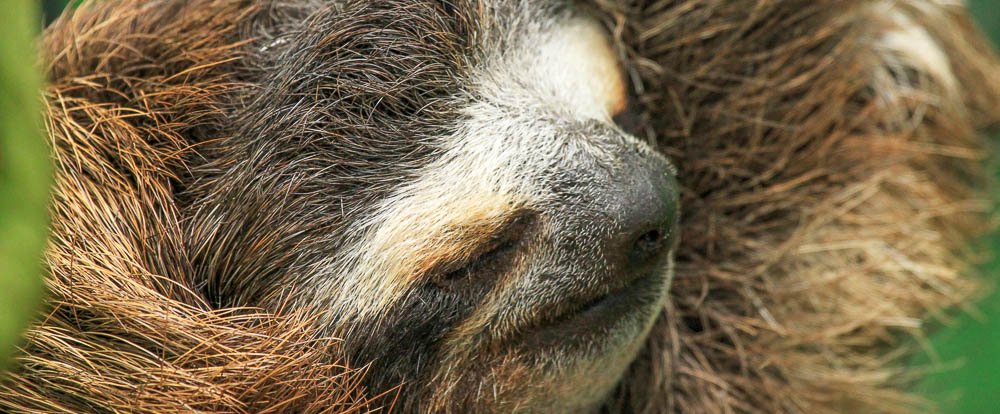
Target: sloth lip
x=597, y=316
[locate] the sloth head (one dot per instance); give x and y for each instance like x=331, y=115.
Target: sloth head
x=445, y=186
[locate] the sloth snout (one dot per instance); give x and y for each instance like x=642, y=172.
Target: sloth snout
x=647, y=211
x=625, y=217
x=600, y=266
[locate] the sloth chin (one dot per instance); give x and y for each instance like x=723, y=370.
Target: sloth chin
x=602, y=325
x=586, y=350
x=571, y=358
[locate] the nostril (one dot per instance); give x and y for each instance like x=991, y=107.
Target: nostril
x=647, y=247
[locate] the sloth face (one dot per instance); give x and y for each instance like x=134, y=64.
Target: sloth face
x=534, y=249
x=445, y=186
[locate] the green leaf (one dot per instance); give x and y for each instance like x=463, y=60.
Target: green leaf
x=25, y=174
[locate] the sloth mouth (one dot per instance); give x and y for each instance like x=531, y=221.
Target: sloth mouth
x=621, y=311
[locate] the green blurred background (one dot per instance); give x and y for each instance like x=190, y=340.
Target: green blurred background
x=969, y=350
x=967, y=379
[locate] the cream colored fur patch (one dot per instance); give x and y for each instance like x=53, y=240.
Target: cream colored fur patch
x=579, y=64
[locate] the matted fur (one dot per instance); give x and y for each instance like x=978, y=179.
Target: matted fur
x=832, y=180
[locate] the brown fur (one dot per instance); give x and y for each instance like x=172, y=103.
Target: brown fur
x=823, y=222
x=125, y=332
x=831, y=189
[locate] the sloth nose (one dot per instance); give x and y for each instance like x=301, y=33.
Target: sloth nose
x=643, y=211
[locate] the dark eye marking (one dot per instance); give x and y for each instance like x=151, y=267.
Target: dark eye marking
x=490, y=260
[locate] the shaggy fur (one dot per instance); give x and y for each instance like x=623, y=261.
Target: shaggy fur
x=833, y=178
x=828, y=151
x=126, y=330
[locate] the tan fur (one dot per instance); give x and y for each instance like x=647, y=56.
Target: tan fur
x=446, y=237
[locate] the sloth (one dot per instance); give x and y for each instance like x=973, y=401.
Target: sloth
x=509, y=239
x=504, y=206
